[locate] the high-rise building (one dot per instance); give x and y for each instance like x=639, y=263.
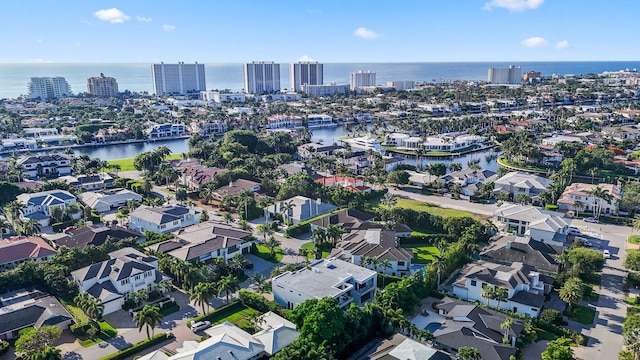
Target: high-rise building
x=360, y=79
x=510, y=75
x=46, y=88
x=102, y=86
x=305, y=72
x=261, y=77
x=180, y=78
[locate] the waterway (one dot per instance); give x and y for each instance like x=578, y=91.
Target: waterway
x=486, y=159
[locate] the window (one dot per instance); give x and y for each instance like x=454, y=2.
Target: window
x=400, y=263
x=474, y=283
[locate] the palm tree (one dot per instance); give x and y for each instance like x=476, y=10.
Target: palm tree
x=265, y=230
x=4, y=224
x=571, y=293
x=632, y=342
x=578, y=206
x=506, y=326
x=56, y=212
x=636, y=224
x=334, y=233
x=439, y=265
x=523, y=199
x=600, y=195
x=272, y=244
x=31, y=227
x=488, y=293
x=285, y=208
x=389, y=200
x=201, y=294
x=456, y=189
x=148, y=317
x=500, y=294
x=71, y=209
x=48, y=353
x=228, y=218
x=319, y=236
x=455, y=167
x=228, y=284
x=94, y=308
x=14, y=209
x=468, y=353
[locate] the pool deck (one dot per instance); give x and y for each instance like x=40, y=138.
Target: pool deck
x=421, y=321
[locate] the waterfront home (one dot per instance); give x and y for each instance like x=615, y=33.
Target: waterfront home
x=297, y=209
x=159, y=131
x=284, y=122
x=30, y=308
x=113, y=281
x=37, y=206
x=581, y=192
x=524, y=285
x=208, y=128
x=193, y=177
x=400, y=347
x=365, y=143
x=555, y=140
x=206, y=241
x=530, y=221
x=218, y=97
x=162, y=219
x=517, y=182
x=88, y=182
x=430, y=143
x=320, y=121
x=459, y=324
x=236, y=187
x=509, y=249
x=361, y=244
x=51, y=166
x=107, y=200
x=338, y=279
x=469, y=179
x=347, y=182
x=347, y=219
x=96, y=235
x=19, y=249
x=306, y=151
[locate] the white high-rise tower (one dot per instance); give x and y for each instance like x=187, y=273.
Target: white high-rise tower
x=305, y=72
x=178, y=78
x=261, y=77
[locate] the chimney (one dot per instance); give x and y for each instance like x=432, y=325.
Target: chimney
x=508, y=246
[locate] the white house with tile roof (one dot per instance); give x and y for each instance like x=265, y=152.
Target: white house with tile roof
x=38, y=205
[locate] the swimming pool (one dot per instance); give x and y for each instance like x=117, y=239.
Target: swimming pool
x=432, y=327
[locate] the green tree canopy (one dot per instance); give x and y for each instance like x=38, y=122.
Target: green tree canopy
x=559, y=349
x=37, y=340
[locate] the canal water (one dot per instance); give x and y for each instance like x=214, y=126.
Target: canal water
x=486, y=159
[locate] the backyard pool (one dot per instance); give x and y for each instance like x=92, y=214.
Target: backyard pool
x=432, y=327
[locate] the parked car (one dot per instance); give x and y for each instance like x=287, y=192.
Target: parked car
x=591, y=220
x=574, y=231
x=200, y=325
x=585, y=242
x=606, y=254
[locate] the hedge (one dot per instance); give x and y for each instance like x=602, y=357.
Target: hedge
x=4, y=347
x=133, y=349
x=298, y=229
x=261, y=304
x=212, y=313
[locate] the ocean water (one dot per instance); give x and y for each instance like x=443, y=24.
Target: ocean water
x=137, y=76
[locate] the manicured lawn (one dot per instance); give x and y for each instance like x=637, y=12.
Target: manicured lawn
x=106, y=332
x=127, y=164
x=263, y=253
x=422, y=254
x=593, y=279
x=582, y=314
x=435, y=209
x=309, y=247
x=545, y=335
x=634, y=239
x=170, y=310
x=237, y=314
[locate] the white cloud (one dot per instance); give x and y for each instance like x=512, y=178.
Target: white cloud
x=365, y=33
x=113, y=15
x=143, y=19
x=535, y=41
x=167, y=27
x=305, y=57
x=514, y=5
x=562, y=45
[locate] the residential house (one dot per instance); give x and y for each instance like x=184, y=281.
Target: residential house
x=510, y=249
x=38, y=205
x=530, y=221
x=162, y=219
x=50, y=166
x=227, y=341
x=19, y=249
x=290, y=169
x=107, y=200
x=459, y=324
x=206, y=241
x=470, y=180
x=306, y=151
x=216, y=128
x=347, y=182
x=112, y=281
x=338, y=279
x=89, y=182
x=193, y=177
x=30, y=308
x=297, y=209
x=581, y=192
x=382, y=245
x=400, y=347
x=525, y=286
x=347, y=219
x=432, y=143
x=158, y=131
x=516, y=183
x=96, y=235
x=236, y=187
x=284, y=122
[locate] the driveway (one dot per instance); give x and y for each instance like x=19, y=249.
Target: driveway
x=534, y=351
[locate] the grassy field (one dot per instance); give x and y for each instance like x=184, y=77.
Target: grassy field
x=582, y=314
x=422, y=254
x=435, y=209
x=127, y=164
x=634, y=239
x=263, y=253
x=309, y=247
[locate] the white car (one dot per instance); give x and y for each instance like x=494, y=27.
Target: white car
x=591, y=220
x=574, y=231
x=606, y=254
x=200, y=325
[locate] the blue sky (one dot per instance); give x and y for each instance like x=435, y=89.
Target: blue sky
x=327, y=31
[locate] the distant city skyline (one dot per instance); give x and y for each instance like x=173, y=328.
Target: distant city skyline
x=329, y=32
